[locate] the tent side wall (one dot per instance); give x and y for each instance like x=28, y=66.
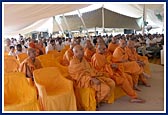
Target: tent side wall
x=93, y=19
x=115, y=20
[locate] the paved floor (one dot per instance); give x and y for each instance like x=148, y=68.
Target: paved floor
x=153, y=95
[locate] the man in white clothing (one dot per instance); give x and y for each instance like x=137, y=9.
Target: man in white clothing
x=51, y=46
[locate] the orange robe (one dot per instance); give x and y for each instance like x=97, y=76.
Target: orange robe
x=88, y=54
x=133, y=56
x=28, y=66
x=67, y=57
x=65, y=49
x=100, y=63
x=33, y=45
x=82, y=72
x=120, y=56
x=41, y=48
x=112, y=47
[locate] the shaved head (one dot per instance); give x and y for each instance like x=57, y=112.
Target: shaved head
x=78, y=52
x=130, y=43
x=30, y=50
x=101, y=48
x=31, y=53
x=122, y=43
x=100, y=40
x=114, y=40
x=88, y=44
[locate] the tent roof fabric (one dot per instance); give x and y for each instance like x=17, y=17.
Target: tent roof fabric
x=94, y=19
x=115, y=20
x=22, y=18
x=19, y=16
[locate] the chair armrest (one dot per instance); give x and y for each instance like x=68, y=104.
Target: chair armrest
x=42, y=96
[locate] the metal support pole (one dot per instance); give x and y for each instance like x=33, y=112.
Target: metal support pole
x=144, y=20
x=59, y=25
x=66, y=23
x=83, y=22
x=103, y=18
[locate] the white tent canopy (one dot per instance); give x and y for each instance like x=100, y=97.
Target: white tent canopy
x=24, y=18
x=19, y=16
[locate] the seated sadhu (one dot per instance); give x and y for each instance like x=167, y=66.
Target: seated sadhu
x=68, y=54
x=112, y=70
x=85, y=76
x=131, y=67
x=89, y=50
x=142, y=60
x=33, y=44
x=30, y=64
x=112, y=45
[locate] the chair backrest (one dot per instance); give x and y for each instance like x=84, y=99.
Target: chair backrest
x=21, y=57
x=55, y=53
x=47, y=60
x=50, y=78
x=65, y=49
x=11, y=64
x=17, y=89
x=6, y=53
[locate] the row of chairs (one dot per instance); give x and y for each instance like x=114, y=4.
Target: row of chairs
x=52, y=84
x=54, y=92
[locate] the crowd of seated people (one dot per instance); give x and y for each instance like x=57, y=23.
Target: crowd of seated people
x=95, y=61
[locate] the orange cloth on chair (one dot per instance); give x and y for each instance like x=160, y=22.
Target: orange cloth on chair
x=55, y=91
x=82, y=72
x=55, y=53
x=121, y=79
x=48, y=60
x=21, y=57
x=11, y=64
x=18, y=94
x=65, y=49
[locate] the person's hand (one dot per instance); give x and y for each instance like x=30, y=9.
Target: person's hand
x=114, y=66
x=140, y=63
x=95, y=81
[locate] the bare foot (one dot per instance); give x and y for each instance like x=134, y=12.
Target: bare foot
x=147, y=85
x=136, y=88
x=137, y=100
x=146, y=75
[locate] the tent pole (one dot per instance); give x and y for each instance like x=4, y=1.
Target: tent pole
x=95, y=31
x=144, y=20
x=103, y=18
x=83, y=22
x=65, y=20
x=53, y=24
x=59, y=25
